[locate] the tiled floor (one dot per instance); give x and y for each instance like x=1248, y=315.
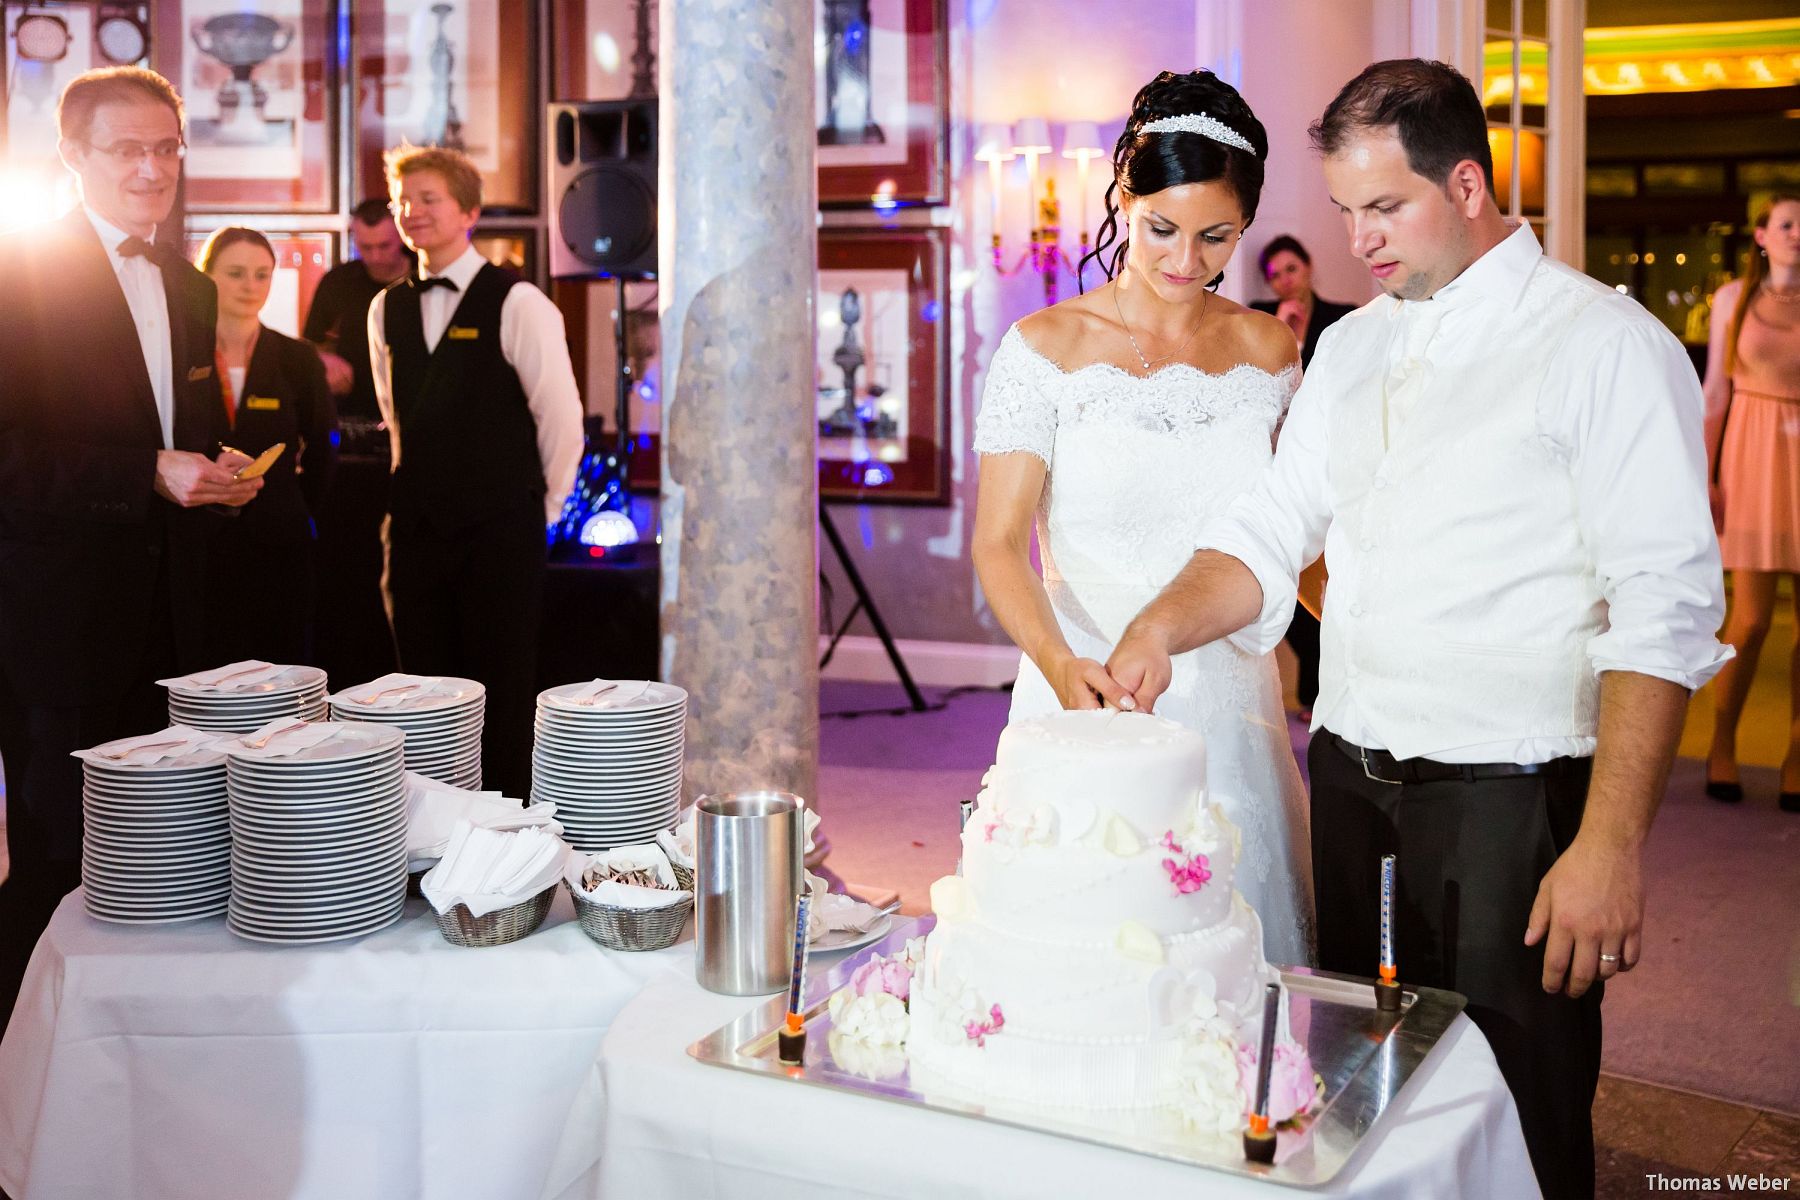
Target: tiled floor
x=1648, y=1136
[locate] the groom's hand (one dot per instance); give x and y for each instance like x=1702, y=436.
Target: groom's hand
x=1084, y=683
x=1140, y=663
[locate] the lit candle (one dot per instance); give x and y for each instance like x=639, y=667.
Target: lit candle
x=1387, y=988
x=1259, y=1138
x=791, y=1040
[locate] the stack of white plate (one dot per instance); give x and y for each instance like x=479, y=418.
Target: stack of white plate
x=249, y=701
x=318, y=834
x=156, y=842
x=442, y=717
x=609, y=755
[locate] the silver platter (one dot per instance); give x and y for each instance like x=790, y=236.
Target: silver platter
x=1365, y=1057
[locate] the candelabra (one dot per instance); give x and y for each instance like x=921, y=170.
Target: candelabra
x=1030, y=140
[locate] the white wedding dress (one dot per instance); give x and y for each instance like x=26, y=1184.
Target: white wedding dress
x=1137, y=465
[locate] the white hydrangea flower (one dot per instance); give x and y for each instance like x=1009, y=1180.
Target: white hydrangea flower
x=1210, y=1093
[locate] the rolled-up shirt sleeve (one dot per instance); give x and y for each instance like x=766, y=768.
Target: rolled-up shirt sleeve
x=1278, y=526
x=1632, y=430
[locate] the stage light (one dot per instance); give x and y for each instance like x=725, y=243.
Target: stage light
x=28, y=195
x=42, y=37
x=609, y=529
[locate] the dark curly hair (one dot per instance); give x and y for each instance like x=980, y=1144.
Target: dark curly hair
x=1144, y=164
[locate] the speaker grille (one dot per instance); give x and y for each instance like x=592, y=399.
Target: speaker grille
x=607, y=217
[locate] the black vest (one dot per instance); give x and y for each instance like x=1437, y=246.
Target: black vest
x=468, y=442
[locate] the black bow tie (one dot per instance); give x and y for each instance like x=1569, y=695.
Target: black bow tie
x=134, y=246
x=425, y=285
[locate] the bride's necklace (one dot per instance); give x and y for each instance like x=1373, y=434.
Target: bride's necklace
x=1206, y=299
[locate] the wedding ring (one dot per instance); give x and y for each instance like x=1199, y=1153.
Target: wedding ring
x=1609, y=958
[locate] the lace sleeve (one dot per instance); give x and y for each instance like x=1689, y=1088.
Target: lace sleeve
x=1018, y=408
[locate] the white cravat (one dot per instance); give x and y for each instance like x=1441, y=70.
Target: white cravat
x=1409, y=372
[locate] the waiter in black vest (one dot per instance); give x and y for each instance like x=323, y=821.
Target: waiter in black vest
x=473, y=377
x=109, y=408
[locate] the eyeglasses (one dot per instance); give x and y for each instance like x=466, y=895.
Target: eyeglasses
x=132, y=153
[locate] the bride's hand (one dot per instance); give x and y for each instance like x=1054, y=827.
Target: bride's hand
x=1084, y=683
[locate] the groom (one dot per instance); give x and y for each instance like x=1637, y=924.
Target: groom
x=1501, y=459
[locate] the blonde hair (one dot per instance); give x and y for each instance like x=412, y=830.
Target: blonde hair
x=111, y=85
x=460, y=174
x=1754, y=274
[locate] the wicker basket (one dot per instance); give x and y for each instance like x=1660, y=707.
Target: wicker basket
x=497, y=928
x=684, y=876
x=630, y=928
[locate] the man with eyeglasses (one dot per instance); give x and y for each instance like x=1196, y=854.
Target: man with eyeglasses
x=110, y=413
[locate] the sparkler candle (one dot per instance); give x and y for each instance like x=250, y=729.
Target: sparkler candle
x=1387, y=988
x=1259, y=1138
x=790, y=1041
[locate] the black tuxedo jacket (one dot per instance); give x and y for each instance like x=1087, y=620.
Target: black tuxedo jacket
x=82, y=532
x=285, y=399
x=1324, y=314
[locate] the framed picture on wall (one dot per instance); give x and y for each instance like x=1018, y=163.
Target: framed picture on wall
x=882, y=374
x=301, y=260
x=882, y=95
x=513, y=249
x=458, y=73
x=259, y=82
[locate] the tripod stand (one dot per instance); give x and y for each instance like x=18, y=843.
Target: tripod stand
x=865, y=603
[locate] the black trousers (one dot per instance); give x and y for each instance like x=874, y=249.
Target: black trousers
x=469, y=603
x=1469, y=860
x=43, y=790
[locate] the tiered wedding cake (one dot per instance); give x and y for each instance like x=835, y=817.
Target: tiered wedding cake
x=1094, y=952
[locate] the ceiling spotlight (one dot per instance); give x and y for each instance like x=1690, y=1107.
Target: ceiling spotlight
x=42, y=37
x=122, y=39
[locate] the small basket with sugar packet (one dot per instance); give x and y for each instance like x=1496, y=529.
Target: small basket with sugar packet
x=627, y=898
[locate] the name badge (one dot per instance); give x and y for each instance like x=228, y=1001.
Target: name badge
x=263, y=403
x=462, y=333
x=195, y=374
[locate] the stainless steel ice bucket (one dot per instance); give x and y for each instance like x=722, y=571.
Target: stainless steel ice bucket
x=749, y=866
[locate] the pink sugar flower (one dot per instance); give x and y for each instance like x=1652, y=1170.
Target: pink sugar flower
x=1292, y=1084
x=978, y=1031
x=1188, y=872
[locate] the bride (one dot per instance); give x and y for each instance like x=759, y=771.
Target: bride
x=1119, y=422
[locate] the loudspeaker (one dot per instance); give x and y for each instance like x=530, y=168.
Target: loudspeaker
x=602, y=157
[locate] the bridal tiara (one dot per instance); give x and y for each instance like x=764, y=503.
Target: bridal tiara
x=1205, y=126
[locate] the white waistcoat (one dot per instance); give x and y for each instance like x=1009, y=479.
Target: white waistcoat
x=1476, y=597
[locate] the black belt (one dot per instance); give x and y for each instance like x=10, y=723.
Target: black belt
x=1383, y=767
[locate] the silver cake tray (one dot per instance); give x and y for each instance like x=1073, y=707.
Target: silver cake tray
x=1364, y=1056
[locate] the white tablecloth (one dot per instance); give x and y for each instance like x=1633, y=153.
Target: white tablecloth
x=677, y=1127
x=183, y=1062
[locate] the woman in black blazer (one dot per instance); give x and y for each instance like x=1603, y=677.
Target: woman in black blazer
x=1288, y=268
x=261, y=585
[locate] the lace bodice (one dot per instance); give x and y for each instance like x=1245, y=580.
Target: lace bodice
x=1137, y=464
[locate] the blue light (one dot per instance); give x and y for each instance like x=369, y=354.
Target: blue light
x=855, y=34
x=875, y=474
x=932, y=311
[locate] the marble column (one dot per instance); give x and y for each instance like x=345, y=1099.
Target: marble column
x=738, y=248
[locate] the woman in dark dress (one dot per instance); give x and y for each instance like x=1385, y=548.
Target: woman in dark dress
x=261, y=583
x=1288, y=269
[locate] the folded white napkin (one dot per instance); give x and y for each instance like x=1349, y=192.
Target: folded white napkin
x=148, y=748
x=607, y=693
x=626, y=895
x=491, y=869
x=229, y=678
x=283, y=737
x=834, y=912
x=390, y=691
x=433, y=808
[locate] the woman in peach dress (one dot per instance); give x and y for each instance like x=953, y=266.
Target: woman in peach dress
x=1753, y=441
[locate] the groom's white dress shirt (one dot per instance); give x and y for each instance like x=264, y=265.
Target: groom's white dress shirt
x=1508, y=484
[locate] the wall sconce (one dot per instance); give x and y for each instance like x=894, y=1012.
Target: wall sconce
x=1030, y=138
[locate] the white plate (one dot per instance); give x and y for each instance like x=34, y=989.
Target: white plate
x=339, y=935
x=174, y=918
x=844, y=939
x=304, y=921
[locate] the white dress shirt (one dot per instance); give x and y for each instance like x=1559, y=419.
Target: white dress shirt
x=533, y=343
x=142, y=283
x=1616, y=413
